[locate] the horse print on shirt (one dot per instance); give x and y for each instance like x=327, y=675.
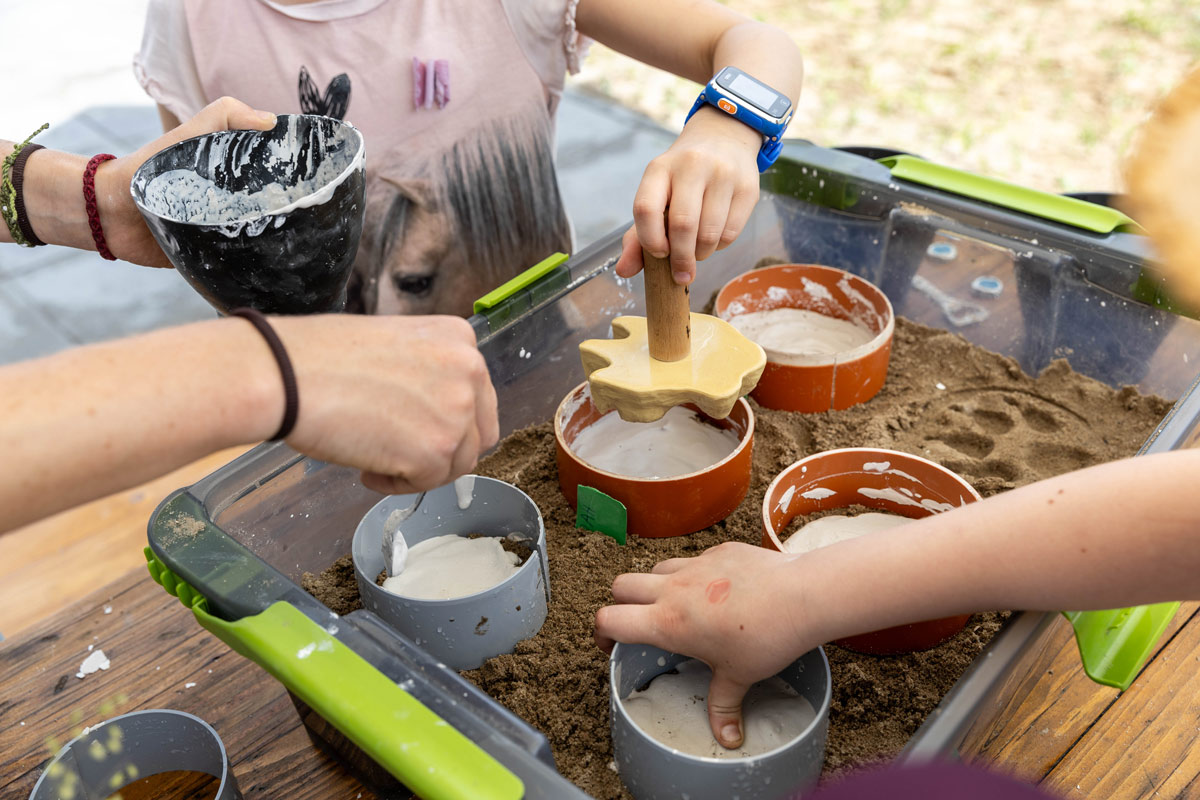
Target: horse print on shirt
x=446, y=225
x=335, y=102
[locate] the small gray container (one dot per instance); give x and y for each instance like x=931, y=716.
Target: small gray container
x=465, y=631
x=653, y=771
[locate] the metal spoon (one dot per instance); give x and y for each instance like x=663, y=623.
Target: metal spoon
x=958, y=312
x=395, y=549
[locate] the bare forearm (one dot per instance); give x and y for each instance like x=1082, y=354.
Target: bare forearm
x=52, y=192
x=763, y=51
x=94, y=420
x=1119, y=534
x=705, y=37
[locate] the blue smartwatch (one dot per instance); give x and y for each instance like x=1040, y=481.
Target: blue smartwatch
x=753, y=103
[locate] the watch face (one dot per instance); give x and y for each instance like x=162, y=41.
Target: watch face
x=757, y=94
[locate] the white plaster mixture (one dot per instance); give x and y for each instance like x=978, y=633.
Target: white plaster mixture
x=677, y=444
x=672, y=710
x=185, y=196
x=446, y=567
x=786, y=333
x=464, y=491
x=837, y=528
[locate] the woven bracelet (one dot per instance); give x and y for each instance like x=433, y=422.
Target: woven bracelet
x=291, y=396
x=9, y=196
x=18, y=181
x=90, y=207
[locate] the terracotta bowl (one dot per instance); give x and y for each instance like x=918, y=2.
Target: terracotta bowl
x=657, y=507
x=813, y=383
x=894, y=482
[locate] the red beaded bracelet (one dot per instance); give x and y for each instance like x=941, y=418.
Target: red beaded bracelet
x=89, y=204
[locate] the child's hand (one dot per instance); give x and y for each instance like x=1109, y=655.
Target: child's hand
x=736, y=607
x=707, y=183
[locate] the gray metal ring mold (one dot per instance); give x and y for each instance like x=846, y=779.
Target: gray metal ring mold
x=466, y=631
x=654, y=771
x=108, y=757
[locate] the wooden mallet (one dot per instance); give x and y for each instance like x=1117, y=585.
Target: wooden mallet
x=669, y=357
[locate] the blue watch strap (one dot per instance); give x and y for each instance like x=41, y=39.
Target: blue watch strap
x=700, y=100
x=766, y=154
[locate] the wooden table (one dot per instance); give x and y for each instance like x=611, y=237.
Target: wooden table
x=157, y=651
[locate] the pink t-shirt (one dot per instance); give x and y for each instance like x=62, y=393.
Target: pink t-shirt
x=461, y=189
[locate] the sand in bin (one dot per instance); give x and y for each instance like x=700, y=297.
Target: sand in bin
x=996, y=426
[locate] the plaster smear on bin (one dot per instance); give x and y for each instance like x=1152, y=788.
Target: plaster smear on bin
x=785, y=501
x=789, y=334
x=446, y=567
x=838, y=528
x=816, y=290
x=673, y=711
x=860, y=301
x=818, y=493
x=184, y=195
x=677, y=444
x=896, y=497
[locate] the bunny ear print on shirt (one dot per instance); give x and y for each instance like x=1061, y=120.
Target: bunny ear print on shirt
x=430, y=83
x=334, y=103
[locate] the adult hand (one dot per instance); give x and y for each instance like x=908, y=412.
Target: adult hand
x=713, y=608
x=407, y=400
x=124, y=229
x=706, y=184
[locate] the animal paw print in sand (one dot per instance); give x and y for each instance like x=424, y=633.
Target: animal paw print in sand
x=1002, y=438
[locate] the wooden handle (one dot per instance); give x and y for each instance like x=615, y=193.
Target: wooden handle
x=668, y=316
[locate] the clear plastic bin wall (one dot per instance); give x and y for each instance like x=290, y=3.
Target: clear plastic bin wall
x=1066, y=294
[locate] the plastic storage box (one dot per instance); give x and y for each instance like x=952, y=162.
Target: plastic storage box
x=1073, y=283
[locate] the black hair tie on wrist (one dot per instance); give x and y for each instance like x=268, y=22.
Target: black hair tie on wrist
x=291, y=396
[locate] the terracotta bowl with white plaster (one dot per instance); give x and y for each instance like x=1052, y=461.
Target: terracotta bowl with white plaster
x=813, y=383
x=657, y=507
x=884, y=480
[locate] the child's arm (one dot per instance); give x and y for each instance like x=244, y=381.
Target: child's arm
x=708, y=177
x=1114, y=535
x=167, y=118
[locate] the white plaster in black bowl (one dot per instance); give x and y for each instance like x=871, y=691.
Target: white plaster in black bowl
x=293, y=259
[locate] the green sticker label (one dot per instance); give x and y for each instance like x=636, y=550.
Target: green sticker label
x=598, y=512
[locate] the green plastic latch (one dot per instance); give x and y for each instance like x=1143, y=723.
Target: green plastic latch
x=1054, y=207
x=391, y=726
x=522, y=281
x=1115, y=644
x=596, y=511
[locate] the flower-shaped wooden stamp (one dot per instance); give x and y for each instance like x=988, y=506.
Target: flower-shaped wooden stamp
x=669, y=357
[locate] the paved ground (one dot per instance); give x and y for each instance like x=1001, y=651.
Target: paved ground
x=52, y=297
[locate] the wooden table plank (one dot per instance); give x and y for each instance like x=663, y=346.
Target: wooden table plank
x=47, y=565
x=1054, y=707
x=1146, y=744
x=156, y=649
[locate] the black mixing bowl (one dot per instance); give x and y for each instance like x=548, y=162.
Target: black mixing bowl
x=287, y=247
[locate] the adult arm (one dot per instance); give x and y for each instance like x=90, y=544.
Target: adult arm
x=709, y=177
x=53, y=187
x=1110, y=536
x=405, y=399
